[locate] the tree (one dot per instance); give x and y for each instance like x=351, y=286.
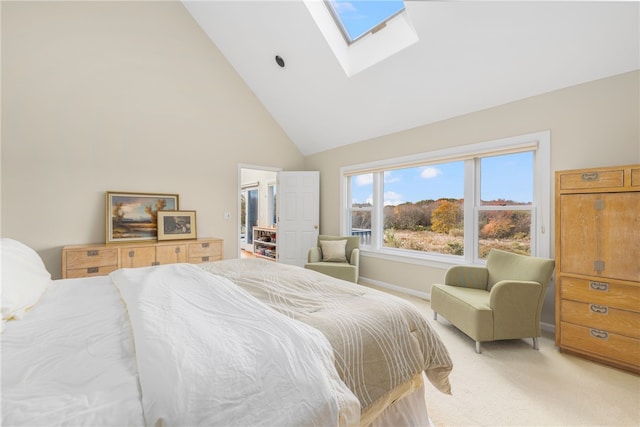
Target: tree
x=160, y=205
x=117, y=214
x=444, y=217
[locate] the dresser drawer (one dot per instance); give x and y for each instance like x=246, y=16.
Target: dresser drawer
x=601, y=342
x=635, y=177
x=86, y=258
x=90, y=271
x=603, y=292
x=205, y=251
x=592, y=179
x=598, y=316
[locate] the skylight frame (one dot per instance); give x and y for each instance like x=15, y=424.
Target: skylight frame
x=372, y=30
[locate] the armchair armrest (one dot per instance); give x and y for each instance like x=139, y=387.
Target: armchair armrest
x=467, y=276
x=314, y=255
x=355, y=257
x=517, y=305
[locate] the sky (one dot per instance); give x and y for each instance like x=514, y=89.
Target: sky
x=360, y=16
x=508, y=177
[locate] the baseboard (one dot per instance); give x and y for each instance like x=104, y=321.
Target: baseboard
x=548, y=327
x=396, y=288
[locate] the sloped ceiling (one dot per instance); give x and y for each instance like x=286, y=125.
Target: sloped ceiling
x=470, y=56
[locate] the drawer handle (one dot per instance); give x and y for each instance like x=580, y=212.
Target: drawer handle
x=205, y=245
x=177, y=249
x=597, y=333
x=599, y=309
x=590, y=176
x=205, y=258
x=92, y=253
x=92, y=270
x=599, y=286
x=131, y=254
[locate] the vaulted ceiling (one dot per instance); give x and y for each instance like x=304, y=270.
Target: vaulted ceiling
x=471, y=55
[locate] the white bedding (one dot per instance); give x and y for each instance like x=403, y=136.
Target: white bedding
x=211, y=354
x=70, y=362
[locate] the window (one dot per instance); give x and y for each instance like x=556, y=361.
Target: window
x=453, y=205
x=358, y=18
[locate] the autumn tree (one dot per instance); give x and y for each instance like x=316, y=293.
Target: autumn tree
x=160, y=205
x=444, y=217
x=117, y=214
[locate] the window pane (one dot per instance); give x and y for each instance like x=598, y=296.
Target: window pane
x=507, y=179
x=509, y=230
x=357, y=18
x=361, y=204
x=424, y=208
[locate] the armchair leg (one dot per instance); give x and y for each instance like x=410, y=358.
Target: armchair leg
x=478, y=347
x=536, y=346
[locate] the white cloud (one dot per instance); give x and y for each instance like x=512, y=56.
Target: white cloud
x=366, y=179
x=430, y=172
x=389, y=177
x=392, y=198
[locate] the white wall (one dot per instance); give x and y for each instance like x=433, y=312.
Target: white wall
x=594, y=124
x=121, y=96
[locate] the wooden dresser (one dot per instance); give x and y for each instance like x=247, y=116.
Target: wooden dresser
x=101, y=259
x=598, y=264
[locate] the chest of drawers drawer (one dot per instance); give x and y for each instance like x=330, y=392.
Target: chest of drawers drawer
x=203, y=251
x=602, y=317
x=601, y=344
x=84, y=262
x=610, y=293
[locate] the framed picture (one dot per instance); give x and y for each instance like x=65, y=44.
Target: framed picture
x=133, y=217
x=173, y=225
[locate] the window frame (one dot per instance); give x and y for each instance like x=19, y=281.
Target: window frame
x=335, y=14
x=538, y=142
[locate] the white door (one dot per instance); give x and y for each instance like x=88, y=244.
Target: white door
x=298, y=215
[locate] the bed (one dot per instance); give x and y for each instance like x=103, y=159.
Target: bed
x=229, y=343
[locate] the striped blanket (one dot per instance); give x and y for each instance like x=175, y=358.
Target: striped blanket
x=381, y=342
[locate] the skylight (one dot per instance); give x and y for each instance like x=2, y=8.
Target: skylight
x=357, y=18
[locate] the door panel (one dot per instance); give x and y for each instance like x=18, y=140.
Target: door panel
x=298, y=215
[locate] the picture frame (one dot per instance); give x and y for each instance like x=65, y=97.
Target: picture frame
x=176, y=225
x=133, y=217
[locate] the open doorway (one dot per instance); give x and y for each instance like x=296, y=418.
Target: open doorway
x=257, y=203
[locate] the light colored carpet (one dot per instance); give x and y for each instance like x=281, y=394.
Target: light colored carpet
x=510, y=384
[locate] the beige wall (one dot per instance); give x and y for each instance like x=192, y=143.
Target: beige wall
x=594, y=124
x=124, y=96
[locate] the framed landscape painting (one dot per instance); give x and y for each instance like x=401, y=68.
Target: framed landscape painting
x=174, y=225
x=133, y=217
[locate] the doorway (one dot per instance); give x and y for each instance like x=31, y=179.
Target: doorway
x=257, y=203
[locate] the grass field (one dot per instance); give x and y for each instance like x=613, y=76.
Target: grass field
x=429, y=241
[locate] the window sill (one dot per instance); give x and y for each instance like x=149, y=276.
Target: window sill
x=442, y=262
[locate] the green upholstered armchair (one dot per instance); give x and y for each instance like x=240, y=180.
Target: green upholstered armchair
x=337, y=256
x=500, y=301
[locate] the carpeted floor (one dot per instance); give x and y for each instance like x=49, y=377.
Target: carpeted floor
x=510, y=384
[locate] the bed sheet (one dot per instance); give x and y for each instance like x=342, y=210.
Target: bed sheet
x=70, y=362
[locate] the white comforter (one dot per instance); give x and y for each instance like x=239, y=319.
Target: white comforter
x=208, y=353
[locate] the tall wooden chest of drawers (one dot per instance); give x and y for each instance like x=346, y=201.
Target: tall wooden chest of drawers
x=598, y=264
x=101, y=259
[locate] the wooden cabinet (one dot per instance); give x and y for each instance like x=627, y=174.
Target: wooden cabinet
x=598, y=264
x=152, y=254
x=101, y=259
x=265, y=243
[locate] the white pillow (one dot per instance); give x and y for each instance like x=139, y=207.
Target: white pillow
x=24, y=278
x=333, y=250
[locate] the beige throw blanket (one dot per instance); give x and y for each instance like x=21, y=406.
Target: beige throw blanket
x=380, y=341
